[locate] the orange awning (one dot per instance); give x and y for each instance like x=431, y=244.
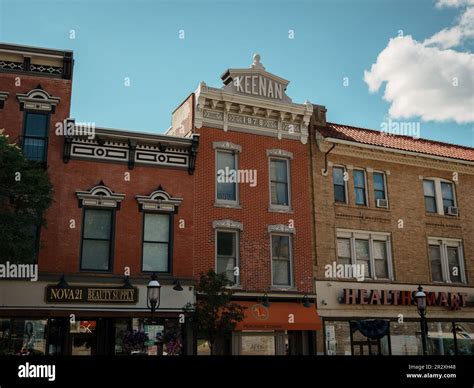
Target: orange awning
x=279, y=316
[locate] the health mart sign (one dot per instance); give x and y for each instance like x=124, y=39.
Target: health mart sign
x=452, y=300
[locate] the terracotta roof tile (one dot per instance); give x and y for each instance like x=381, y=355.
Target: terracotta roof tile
x=399, y=142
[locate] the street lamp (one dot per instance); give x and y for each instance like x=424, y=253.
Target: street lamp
x=153, y=294
x=420, y=298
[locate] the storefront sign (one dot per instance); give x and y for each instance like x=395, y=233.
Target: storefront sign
x=453, y=300
x=55, y=294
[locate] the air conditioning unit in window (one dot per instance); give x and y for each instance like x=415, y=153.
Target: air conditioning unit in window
x=382, y=203
x=453, y=211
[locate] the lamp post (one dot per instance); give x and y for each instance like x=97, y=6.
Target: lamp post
x=420, y=298
x=153, y=294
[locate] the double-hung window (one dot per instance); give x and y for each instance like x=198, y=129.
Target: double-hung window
x=226, y=176
x=35, y=136
x=282, y=271
x=228, y=255
x=340, y=187
x=446, y=260
x=439, y=196
x=97, y=239
x=370, y=250
x=380, y=186
x=156, y=256
x=279, y=183
x=360, y=192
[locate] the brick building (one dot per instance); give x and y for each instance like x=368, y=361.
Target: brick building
x=123, y=210
x=402, y=208
x=256, y=230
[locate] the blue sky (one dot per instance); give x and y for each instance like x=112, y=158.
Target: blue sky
x=140, y=40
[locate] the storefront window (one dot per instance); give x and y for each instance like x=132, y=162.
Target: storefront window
x=440, y=339
x=405, y=339
x=338, y=338
x=258, y=345
x=23, y=336
x=162, y=337
x=465, y=338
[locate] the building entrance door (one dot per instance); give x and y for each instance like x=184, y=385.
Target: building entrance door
x=366, y=348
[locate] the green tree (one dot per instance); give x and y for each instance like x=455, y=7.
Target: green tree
x=214, y=315
x=25, y=194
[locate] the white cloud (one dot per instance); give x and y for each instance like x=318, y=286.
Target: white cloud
x=429, y=79
x=454, y=36
x=453, y=3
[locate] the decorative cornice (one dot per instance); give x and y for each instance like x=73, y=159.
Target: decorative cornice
x=159, y=200
x=389, y=155
x=280, y=228
x=100, y=196
x=227, y=224
x=280, y=153
x=226, y=145
x=38, y=99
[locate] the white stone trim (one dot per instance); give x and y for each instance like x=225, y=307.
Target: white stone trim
x=279, y=153
x=100, y=196
x=38, y=99
x=281, y=228
x=227, y=224
x=159, y=200
x=226, y=145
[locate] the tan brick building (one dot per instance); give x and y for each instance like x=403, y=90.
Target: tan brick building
x=400, y=209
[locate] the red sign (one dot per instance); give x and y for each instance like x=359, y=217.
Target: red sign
x=453, y=300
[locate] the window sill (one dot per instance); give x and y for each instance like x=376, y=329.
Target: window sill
x=283, y=289
x=227, y=206
x=280, y=210
x=443, y=216
x=359, y=207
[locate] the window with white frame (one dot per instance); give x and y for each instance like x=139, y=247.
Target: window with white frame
x=340, y=186
x=282, y=272
x=279, y=183
x=227, y=252
x=380, y=185
x=439, y=196
x=446, y=260
x=360, y=192
x=371, y=249
x=226, y=182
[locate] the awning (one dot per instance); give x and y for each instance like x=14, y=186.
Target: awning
x=279, y=316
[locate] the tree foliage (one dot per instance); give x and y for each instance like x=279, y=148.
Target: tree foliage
x=25, y=194
x=214, y=315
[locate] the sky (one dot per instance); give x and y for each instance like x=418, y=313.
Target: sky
x=370, y=62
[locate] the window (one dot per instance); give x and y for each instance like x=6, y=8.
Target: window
x=370, y=249
x=97, y=239
x=226, y=177
x=379, y=186
x=446, y=260
x=35, y=136
x=156, y=242
x=430, y=196
x=279, y=183
x=439, y=196
x=227, y=256
x=281, y=260
x=344, y=251
x=359, y=187
x=447, y=193
x=339, y=184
